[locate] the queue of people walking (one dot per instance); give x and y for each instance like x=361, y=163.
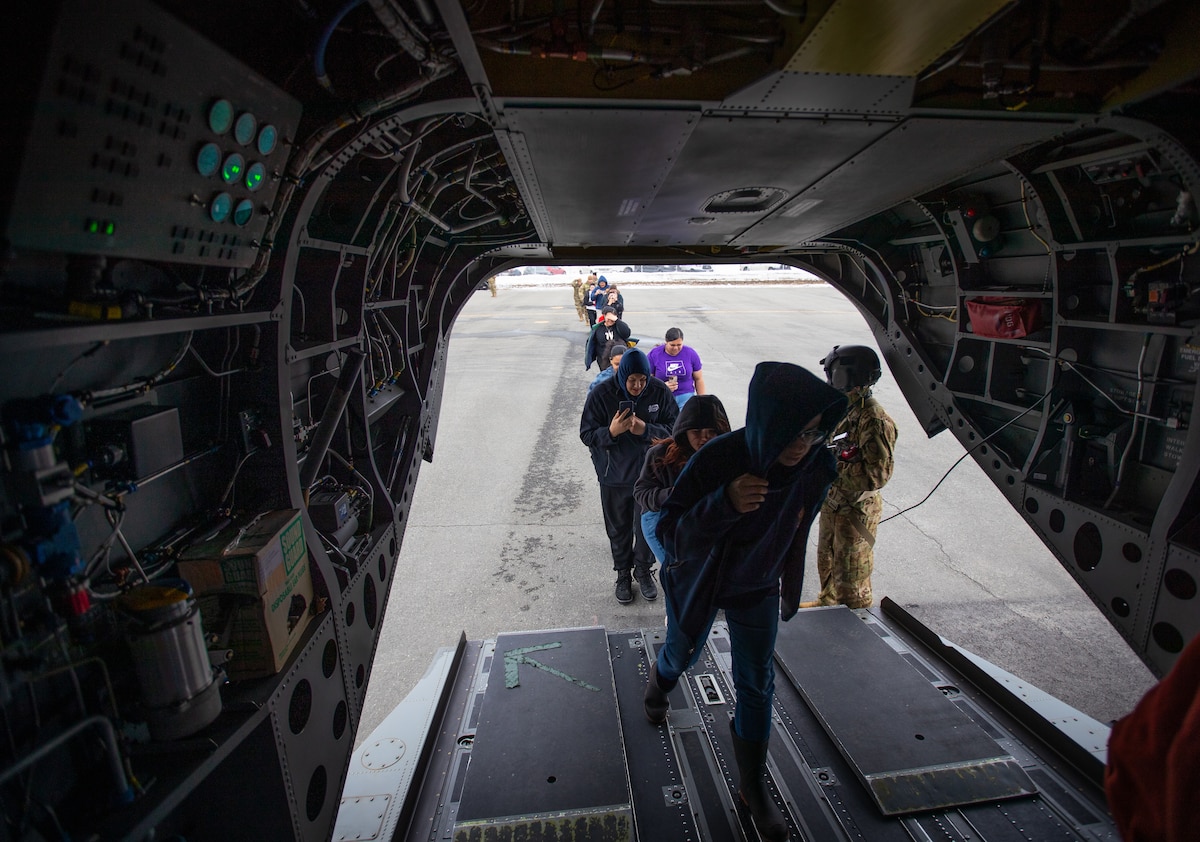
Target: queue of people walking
x=726, y=514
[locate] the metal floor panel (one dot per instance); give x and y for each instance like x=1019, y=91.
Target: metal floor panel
x=907, y=742
x=678, y=779
x=662, y=806
x=548, y=752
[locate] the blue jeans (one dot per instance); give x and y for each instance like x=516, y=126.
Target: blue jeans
x=649, y=521
x=752, y=640
x=680, y=400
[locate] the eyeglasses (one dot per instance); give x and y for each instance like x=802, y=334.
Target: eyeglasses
x=811, y=437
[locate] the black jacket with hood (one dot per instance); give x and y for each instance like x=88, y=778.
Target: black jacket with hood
x=596, y=340
x=718, y=558
x=656, y=480
x=618, y=461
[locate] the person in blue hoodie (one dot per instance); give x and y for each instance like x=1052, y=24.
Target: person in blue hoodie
x=735, y=530
x=618, y=438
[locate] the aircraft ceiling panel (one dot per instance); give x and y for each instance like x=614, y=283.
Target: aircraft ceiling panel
x=598, y=170
x=913, y=158
x=826, y=93
x=727, y=154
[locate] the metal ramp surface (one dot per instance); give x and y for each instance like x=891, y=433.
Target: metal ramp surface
x=911, y=747
x=547, y=761
x=541, y=735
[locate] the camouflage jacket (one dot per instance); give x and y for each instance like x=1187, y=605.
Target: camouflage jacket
x=865, y=457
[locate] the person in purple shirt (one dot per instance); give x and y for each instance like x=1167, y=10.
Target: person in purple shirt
x=678, y=366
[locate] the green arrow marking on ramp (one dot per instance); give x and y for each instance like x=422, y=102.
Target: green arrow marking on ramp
x=513, y=659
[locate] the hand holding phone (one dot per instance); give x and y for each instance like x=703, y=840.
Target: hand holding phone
x=622, y=422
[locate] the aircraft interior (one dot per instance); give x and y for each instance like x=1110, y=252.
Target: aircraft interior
x=236, y=239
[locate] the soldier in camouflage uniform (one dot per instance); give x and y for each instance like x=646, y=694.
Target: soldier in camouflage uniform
x=581, y=292
x=850, y=514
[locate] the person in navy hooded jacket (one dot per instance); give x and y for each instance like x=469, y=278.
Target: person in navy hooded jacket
x=618, y=439
x=735, y=530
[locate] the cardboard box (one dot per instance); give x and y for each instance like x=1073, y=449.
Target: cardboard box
x=254, y=580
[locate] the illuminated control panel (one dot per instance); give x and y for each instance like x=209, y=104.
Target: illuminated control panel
x=149, y=142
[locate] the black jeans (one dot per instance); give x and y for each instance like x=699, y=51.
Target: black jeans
x=629, y=548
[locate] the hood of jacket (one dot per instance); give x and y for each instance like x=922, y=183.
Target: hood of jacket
x=783, y=398
x=634, y=362
x=699, y=413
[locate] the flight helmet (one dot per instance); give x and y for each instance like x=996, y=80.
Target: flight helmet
x=848, y=367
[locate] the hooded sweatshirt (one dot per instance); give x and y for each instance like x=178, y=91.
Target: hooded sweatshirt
x=600, y=293
x=598, y=337
x=718, y=558
x=618, y=461
x=655, y=482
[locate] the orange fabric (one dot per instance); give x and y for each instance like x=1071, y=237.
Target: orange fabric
x=1153, y=776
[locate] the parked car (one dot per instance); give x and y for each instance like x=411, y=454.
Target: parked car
x=537, y=270
x=556, y=270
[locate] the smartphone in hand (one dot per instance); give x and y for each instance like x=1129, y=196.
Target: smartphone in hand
x=625, y=406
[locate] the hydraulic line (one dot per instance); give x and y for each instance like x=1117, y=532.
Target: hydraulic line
x=146, y=384
x=332, y=416
x=323, y=42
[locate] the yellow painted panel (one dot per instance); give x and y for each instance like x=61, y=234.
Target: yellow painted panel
x=1179, y=62
x=888, y=37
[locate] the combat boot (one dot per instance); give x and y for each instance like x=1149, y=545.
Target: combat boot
x=752, y=788
x=624, y=589
x=655, y=698
x=645, y=580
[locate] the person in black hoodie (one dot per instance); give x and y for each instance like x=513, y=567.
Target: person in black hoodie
x=618, y=438
x=607, y=329
x=735, y=529
x=700, y=420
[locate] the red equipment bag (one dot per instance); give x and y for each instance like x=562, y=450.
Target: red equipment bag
x=1004, y=318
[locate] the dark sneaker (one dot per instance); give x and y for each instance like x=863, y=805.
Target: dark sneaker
x=624, y=589
x=645, y=580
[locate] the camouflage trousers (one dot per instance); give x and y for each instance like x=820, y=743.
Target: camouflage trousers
x=844, y=558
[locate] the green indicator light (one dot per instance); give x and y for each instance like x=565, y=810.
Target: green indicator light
x=93, y=227
x=109, y=228
x=234, y=164
x=255, y=174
